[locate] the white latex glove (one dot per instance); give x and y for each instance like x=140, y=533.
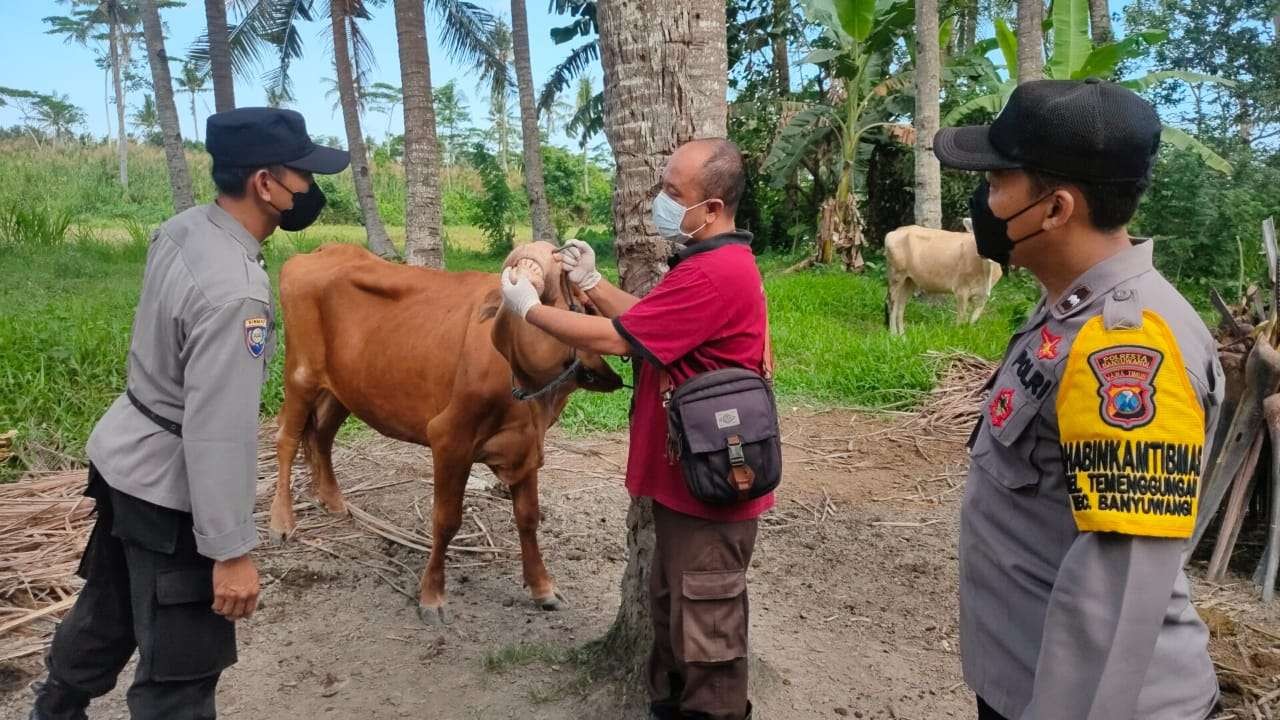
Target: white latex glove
x=518, y=294
x=579, y=259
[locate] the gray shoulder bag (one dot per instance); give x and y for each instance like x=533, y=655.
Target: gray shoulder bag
x=722, y=426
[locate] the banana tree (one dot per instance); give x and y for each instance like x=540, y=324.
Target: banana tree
x=1075, y=58
x=857, y=48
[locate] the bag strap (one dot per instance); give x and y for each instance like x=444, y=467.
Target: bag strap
x=667, y=386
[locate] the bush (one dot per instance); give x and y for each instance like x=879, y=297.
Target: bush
x=1208, y=227
x=495, y=207
x=33, y=224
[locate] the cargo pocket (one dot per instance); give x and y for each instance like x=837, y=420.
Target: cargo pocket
x=1005, y=438
x=714, y=616
x=191, y=640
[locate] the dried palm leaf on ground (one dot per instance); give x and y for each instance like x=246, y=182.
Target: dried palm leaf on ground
x=952, y=407
x=44, y=523
x=6, y=444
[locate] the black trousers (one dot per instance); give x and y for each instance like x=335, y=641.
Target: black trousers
x=146, y=589
x=986, y=713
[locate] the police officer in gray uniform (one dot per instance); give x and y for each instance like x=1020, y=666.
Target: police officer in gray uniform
x=1086, y=462
x=174, y=459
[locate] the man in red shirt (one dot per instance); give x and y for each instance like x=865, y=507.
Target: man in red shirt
x=707, y=313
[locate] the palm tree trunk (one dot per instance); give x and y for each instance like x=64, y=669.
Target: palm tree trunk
x=423, y=239
x=665, y=71
x=195, y=118
x=179, y=177
x=106, y=98
x=224, y=88
x=122, y=138
x=504, y=138
x=1100, y=21
x=379, y=242
x=1030, y=40
x=586, y=189
x=781, y=62
x=928, y=69
x=534, y=186
x=971, y=26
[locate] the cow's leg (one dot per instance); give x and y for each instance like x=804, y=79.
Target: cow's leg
x=524, y=504
x=452, y=466
x=899, y=294
x=962, y=307
x=979, y=304
x=327, y=420
x=294, y=416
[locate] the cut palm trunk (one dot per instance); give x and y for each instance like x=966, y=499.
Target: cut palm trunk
x=1262, y=377
x=1271, y=555
x=1233, y=518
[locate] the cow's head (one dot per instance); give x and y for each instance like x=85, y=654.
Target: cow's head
x=535, y=357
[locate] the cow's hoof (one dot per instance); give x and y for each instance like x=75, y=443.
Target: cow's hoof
x=552, y=602
x=278, y=537
x=433, y=616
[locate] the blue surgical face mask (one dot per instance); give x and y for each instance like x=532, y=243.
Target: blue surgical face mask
x=668, y=217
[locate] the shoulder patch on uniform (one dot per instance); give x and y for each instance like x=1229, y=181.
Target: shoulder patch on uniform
x=1049, y=344
x=1132, y=431
x=255, y=335
x=1126, y=375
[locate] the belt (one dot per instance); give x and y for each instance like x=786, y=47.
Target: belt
x=153, y=416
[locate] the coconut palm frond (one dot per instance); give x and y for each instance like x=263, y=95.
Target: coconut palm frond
x=578, y=62
x=588, y=121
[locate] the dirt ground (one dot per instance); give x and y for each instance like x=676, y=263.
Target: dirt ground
x=852, y=590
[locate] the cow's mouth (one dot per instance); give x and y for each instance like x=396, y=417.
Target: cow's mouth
x=596, y=381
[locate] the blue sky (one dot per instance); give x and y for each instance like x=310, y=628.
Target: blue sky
x=44, y=63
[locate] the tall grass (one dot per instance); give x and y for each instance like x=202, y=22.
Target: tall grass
x=81, y=183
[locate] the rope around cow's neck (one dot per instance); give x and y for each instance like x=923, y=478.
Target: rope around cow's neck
x=523, y=395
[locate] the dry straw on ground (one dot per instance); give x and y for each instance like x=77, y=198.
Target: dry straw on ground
x=44, y=522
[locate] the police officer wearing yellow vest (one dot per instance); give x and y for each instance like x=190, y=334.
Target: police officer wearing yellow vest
x=1086, y=462
x=174, y=460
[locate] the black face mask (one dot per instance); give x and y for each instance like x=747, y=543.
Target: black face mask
x=306, y=207
x=991, y=232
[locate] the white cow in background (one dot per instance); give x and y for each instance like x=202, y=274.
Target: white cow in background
x=937, y=261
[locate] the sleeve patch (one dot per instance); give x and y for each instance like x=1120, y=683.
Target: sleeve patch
x=1132, y=431
x=255, y=335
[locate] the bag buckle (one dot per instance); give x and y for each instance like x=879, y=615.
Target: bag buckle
x=736, y=457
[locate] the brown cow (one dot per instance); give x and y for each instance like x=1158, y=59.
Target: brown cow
x=428, y=357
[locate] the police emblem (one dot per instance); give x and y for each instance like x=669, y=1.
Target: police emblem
x=1125, y=374
x=1048, y=345
x=1001, y=407
x=255, y=336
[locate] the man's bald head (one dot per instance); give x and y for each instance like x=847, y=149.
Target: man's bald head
x=715, y=166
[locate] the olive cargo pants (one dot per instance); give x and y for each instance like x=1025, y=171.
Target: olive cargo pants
x=698, y=600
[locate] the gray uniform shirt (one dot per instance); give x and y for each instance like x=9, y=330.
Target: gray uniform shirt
x=203, y=337
x=1060, y=623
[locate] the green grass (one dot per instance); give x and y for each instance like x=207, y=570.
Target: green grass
x=580, y=660
x=68, y=310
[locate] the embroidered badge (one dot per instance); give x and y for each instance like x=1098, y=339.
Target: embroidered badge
x=255, y=335
x=1001, y=407
x=1048, y=345
x=1073, y=300
x=1125, y=384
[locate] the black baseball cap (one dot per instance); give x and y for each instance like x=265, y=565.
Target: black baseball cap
x=257, y=136
x=1088, y=130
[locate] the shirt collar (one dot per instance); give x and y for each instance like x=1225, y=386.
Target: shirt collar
x=715, y=242
x=232, y=227
x=1100, y=279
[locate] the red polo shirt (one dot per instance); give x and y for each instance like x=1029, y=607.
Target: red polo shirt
x=707, y=313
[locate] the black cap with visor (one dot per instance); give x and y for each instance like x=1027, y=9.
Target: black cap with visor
x=259, y=136
x=1090, y=130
